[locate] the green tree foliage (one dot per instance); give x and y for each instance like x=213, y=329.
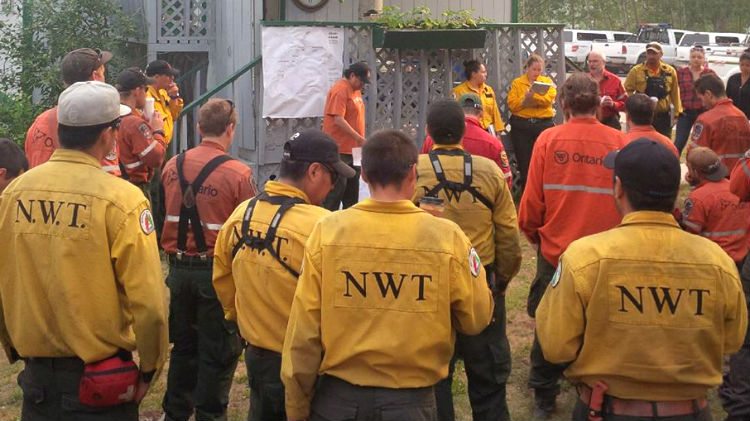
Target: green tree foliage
x=696, y=15
x=34, y=46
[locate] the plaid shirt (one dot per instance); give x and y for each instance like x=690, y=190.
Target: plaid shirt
x=690, y=100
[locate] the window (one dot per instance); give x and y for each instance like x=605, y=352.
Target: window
x=677, y=37
x=590, y=36
x=694, y=39
x=622, y=37
x=725, y=40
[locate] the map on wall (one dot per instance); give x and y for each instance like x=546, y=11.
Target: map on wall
x=299, y=66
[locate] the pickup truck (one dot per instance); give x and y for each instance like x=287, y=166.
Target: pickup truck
x=712, y=43
x=634, y=51
x=727, y=63
x=579, y=42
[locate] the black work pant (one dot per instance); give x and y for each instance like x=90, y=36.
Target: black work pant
x=523, y=134
x=581, y=413
x=663, y=124
x=50, y=393
x=544, y=376
x=338, y=400
x=266, y=389
x=206, y=348
x=613, y=121
x=734, y=392
x=346, y=191
x=487, y=360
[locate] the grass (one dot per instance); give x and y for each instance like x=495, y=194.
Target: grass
x=520, y=333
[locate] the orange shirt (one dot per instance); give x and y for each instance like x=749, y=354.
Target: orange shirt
x=712, y=211
x=139, y=149
x=725, y=130
x=344, y=101
x=637, y=132
x=739, y=181
x=569, y=191
x=42, y=140
x=228, y=186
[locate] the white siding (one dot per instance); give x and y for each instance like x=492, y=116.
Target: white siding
x=498, y=11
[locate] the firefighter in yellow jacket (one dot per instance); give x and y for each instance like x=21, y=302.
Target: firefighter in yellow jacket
x=80, y=277
x=645, y=312
x=374, y=316
x=474, y=195
x=258, y=257
x=166, y=94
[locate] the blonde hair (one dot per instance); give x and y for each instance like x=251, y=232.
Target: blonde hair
x=534, y=58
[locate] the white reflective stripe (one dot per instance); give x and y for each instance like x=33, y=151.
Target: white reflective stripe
x=723, y=233
x=212, y=227
x=692, y=225
x=148, y=149
x=732, y=155
x=507, y=175
x=586, y=189
x=135, y=164
x=745, y=167
x=110, y=168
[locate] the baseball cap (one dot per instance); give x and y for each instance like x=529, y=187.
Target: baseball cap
x=78, y=64
x=161, y=67
x=470, y=100
x=647, y=167
x=654, y=46
x=707, y=163
x=315, y=146
x=132, y=78
x=89, y=103
x=361, y=69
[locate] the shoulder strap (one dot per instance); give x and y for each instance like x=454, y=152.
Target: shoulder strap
x=443, y=182
x=188, y=208
x=123, y=171
x=266, y=243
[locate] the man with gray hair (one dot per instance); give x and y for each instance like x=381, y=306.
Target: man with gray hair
x=610, y=88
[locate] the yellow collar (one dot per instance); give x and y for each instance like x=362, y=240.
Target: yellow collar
x=649, y=217
x=448, y=147
x=74, y=156
x=401, y=206
x=276, y=188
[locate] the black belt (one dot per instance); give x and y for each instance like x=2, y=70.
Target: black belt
x=262, y=352
x=56, y=363
x=533, y=120
x=190, y=261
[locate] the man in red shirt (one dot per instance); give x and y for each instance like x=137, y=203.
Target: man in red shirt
x=344, y=121
x=610, y=88
x=78, y=65
x=476, y=140
x=140, y=142
x=202, y=187
x=723, y=128
x=640, y=116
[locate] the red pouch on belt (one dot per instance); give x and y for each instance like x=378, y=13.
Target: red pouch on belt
x=108, y=382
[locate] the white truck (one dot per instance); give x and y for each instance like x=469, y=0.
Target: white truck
x=634, y=52
x=712, y=43
x=579, y=42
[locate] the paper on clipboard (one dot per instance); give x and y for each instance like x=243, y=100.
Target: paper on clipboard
x=540, y=88
x=357, y=157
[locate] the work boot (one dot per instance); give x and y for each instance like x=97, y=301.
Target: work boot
x=544, y=406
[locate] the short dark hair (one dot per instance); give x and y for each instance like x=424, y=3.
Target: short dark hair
x=293, y=170
x=445, y=122
x=640, y=108
x=641, y=202
x=745, y=56
x=471, y=67
x=387, y=157
x=80, y=138
x=12, y=158
x=580, y=94
x=216, y=115
x=710, y=83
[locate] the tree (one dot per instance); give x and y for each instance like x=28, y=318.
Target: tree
x=34, y=46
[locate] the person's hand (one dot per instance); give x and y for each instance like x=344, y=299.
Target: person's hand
x=140, y=390
x=529, y=94
x=607, y=101
x=361, y=141
x=157, y=121
x=173, y=90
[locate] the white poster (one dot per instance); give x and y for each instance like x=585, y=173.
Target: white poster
x=299, y=66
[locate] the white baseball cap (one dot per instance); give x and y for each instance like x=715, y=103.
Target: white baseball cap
x=89, y=103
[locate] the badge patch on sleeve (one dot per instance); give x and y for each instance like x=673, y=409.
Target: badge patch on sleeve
x=688, y=208
x=697, y=131
x=147, y=222
x=145, y=131
x=556, y=277
x=475, y=263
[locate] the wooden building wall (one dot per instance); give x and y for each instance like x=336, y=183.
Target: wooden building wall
x=498, y=11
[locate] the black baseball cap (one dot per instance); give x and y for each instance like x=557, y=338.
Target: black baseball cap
x=132, y=78
x=361, y=70
x=78, y=65
x=646, y=166
x=161, y=67
x=315, y=146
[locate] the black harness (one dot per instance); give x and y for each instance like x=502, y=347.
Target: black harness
x=188, y=209
x=444, y=183
x=656, y=86
x=266, y=244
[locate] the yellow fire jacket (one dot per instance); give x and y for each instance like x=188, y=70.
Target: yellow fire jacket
x=494, y=232
x=253, y=287
x=636, y=82
x=670, y=303
x=543, y=104
x=490, y=109
x=80, y=272
x=384, y=287
x=169, y=109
